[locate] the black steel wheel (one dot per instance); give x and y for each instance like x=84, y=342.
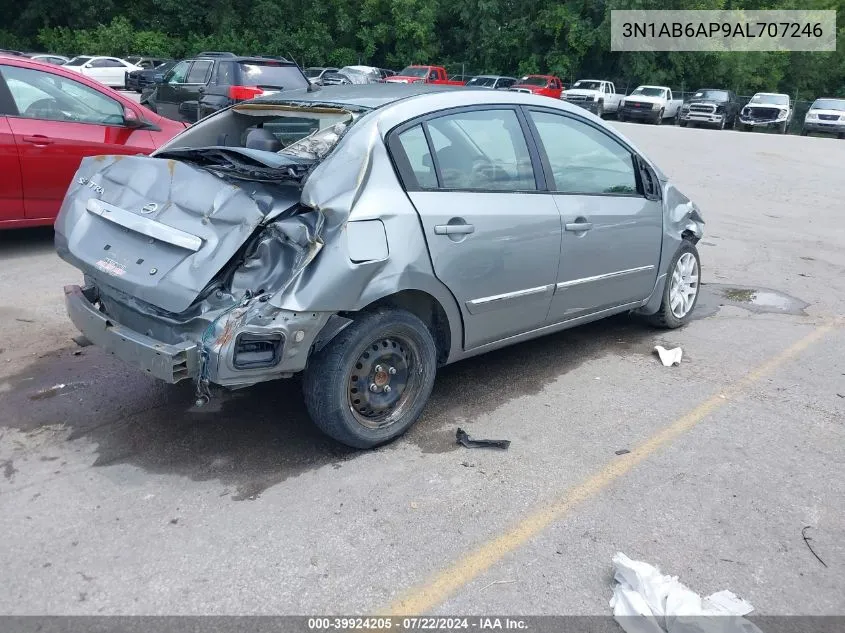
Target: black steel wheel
x=372, y=381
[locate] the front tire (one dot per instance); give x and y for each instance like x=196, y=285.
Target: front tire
x=600, y=109
x=803, y=132
x=373, y=380
x=783, y=127
x=680, y=293
x=659, y=118
x=619, y=116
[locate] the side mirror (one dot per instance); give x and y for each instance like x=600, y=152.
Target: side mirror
x=89, y=65
x=131, y=119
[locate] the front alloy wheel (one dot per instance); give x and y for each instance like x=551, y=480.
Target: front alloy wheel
x=683, y=290
x=680, y=292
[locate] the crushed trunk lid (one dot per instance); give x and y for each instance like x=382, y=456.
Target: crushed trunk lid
x=160, y=229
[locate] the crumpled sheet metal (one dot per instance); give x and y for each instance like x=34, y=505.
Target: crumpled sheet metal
x=646, y=601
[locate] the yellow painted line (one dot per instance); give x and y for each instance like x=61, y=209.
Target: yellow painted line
x=424, y=598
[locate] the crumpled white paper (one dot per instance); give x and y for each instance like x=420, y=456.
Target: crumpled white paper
x=669, y=357
x=646, y=601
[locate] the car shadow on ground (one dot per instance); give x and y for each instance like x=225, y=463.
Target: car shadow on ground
x=26, y=242
x=254, y=438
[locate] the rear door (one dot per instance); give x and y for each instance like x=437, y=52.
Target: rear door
x=11, y=193
x=612, y=232
x=493, y=237
x=57, y=121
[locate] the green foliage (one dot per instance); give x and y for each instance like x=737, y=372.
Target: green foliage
x=569, y=38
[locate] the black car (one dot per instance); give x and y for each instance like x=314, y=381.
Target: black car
x=197, y=87
x=137, y=80
x=711, y=107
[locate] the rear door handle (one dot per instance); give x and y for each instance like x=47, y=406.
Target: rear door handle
x=454, y=229
x=579, y=227
x=38, y=139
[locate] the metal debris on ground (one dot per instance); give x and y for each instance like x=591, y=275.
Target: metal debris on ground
x=646, y=601
x=622, y=451
x=669, y=357
x=467, y=442
x=807, y=540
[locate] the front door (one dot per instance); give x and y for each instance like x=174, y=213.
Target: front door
x=493, y=240
x=168, y=92
x=612, y=233
x=57, y=122
x=191, y=91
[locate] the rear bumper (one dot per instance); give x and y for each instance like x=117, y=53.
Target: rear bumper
x=640, y=114
x=830, y=127
x=589, y=106
x=171, y=363
x=714, y=118
x=761, y=123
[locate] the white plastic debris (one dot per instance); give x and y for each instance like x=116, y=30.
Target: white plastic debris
x=669, y=357
x=646, y=601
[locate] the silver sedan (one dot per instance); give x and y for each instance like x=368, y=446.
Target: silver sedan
x=365, y=236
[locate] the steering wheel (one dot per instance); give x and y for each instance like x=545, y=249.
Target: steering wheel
x=48, y=109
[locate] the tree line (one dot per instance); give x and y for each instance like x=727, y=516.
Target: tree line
x=569, y=38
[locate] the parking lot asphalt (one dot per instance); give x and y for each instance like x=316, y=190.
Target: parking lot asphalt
x=119, y=497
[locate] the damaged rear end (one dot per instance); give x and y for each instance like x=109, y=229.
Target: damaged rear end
x=186, y=254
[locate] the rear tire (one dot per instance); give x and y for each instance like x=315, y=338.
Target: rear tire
x=680, y=293
x=373, y=380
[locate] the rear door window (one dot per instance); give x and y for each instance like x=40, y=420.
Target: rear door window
x=482, y=150
x=200, y=72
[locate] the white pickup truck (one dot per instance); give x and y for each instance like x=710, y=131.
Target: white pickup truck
x=649, y=103
x=596, y=95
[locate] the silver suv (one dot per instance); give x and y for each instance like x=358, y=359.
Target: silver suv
x=367, y=235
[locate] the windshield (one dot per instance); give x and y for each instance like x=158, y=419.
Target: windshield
x=649, y=92
x=828, y=104
x=770, y=99
x=715, y=95
x=415, y=71
x=272, y=75
x=482, y=81
x=533, y=80
x=588, y=85
x=313, y=72
x=78, y=61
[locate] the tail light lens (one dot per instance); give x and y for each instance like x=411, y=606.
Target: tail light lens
x=241, y=93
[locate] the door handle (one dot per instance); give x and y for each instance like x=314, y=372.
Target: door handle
x=38, y=139
x=454, y=229
x=578, y=227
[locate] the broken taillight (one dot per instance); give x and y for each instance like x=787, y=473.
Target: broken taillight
x=241, y=93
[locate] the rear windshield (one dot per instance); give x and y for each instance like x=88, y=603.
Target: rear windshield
x=78, y=61
x=272, y=75
x=312, y=72
x=588, y=85
x=715, y=95
x=828, y=104
x=482, y=81
x=534, y=81
x=772, y=99
x=648, y=92
x=414, y=71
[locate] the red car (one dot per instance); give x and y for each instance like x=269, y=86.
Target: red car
x=50, y=118
x=546, y=85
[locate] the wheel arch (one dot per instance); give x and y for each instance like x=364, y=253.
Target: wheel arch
x=446, y=332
